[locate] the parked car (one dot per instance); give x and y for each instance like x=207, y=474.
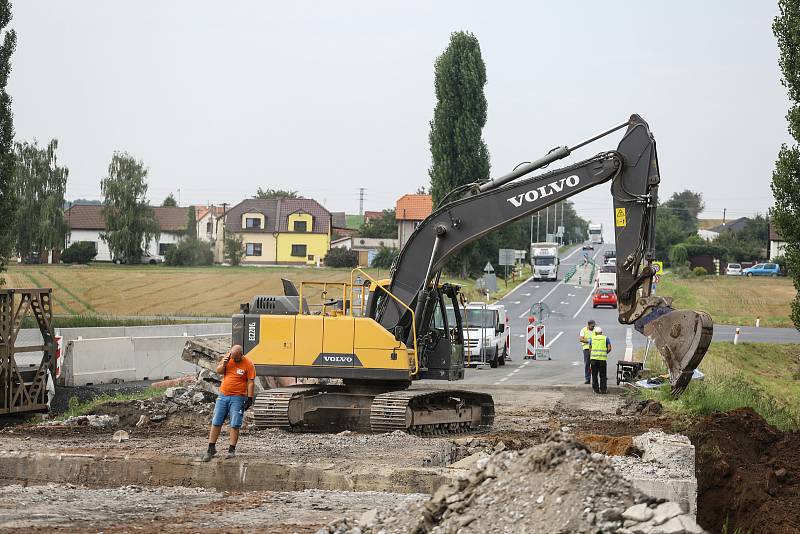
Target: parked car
x=608, y=268
x=611, y=261
x=763, y=269
x=152, y=260
x=588, y=246
x=609, y=254
x=604, y=296
x=734, y=269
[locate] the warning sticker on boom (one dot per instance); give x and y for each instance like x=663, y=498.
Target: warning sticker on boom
x=619, y=215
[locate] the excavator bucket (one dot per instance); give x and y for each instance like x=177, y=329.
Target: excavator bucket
x=682, y=337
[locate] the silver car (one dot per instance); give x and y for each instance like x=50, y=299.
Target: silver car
x=734, y=269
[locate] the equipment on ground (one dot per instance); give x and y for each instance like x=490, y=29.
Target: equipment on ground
x=26, y=372
x=379, y=345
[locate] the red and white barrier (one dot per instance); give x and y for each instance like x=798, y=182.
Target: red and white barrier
x=736, y=336
x=530, y=341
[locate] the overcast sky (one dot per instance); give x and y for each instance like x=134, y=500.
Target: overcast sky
x=219, y=98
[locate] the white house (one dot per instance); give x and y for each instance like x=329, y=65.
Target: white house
x=86, y=223
x=209, y=222
x=777, y=244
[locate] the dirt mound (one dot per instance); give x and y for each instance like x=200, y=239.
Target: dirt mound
x=748, y=474
x=559, y=486
x=609, y=445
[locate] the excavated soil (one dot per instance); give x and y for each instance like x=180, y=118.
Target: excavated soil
x=609, y=445
x=748, y=474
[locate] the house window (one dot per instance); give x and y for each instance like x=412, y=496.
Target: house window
x=310, y=257
x=299, y=250
x=164, y=247
x=301, y=226
x=252, y=222
x=209, y=227
x=254, y=249
x=94, y=244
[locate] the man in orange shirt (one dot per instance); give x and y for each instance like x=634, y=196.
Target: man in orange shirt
x=235, y=396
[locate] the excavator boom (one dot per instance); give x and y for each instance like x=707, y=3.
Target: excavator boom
x=681, y=337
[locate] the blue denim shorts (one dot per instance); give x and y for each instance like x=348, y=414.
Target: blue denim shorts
x=229, y=407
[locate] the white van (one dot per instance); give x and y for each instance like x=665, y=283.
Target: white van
x=607, y=280
x=484, y=333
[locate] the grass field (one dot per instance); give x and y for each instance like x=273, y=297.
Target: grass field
x=763, y=376
x=733, y=300
x=122, y=291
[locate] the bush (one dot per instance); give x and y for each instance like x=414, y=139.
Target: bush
x=385, y=257
x=678, y=255
x=699, y=271
x=234, y=249
x=341, y=257
x=190, y=252
x=79, y=252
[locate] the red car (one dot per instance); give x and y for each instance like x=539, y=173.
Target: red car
x=604, y=296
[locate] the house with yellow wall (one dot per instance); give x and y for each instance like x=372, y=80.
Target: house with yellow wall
x=287, y=231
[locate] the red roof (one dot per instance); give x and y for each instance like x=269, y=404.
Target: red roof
x=413, y=207
x=90, y=217
x=202, y=211
x=370, y=215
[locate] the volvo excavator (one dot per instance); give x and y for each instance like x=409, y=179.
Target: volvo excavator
x=369, y=340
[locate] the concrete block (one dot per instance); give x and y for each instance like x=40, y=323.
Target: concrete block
x=157, y=358
x=99, y=361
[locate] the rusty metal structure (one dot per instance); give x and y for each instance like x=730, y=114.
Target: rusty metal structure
x=24, y=389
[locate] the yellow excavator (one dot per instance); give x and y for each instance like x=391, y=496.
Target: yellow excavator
x=367, y=341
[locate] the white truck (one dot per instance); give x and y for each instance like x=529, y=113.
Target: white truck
x=486, y=336
x=596, y=233
x=607, y=279
x=544, y=260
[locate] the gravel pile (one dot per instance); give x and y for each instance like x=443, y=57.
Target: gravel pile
x=556, y=487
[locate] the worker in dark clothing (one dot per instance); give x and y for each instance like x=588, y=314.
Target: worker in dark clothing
x=585, y=339
x=601, y=346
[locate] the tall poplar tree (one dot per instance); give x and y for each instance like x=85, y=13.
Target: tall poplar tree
x=130, y=221
x=40, y=184
x=9, y=42
x=459, y=154
x=786, y=177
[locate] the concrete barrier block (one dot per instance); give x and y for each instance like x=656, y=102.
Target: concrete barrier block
x=159, y=358
x=100, y=361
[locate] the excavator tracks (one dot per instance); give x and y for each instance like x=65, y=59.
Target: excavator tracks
x=416, y=411
x=272, y=408
x=431, y=412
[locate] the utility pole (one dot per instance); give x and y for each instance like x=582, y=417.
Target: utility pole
x=538, y=223
x=724, y=210
x=361, y=201
x=546, y=221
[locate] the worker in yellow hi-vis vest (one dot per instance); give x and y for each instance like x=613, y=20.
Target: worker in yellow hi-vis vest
x=601, y=346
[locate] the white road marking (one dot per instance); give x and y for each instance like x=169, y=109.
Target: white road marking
x=526, y=362
x=583, y=305
x=570, y=295
x=503, y=379
x=543, y=298
x=519, y=286
x=515, y=371
x=521, y=335
x=629, y=344
x=554, y=340
x=536, y=287
x=576, y=363
x=528, y=294
x=515, y=302
x=562, y=302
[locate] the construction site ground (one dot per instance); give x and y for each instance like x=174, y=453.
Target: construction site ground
x=78, y=478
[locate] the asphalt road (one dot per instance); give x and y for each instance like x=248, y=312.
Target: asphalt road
x=571, y=309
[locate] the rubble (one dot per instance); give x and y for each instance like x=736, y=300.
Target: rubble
x=95, y=421
x=558, y=486
x=120, y=436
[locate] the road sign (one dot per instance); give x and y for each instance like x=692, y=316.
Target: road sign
x=560, y=232
x=539, y=311
x=507, y=256
x=488, y=268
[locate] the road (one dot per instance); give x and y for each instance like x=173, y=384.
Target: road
x=571, y=310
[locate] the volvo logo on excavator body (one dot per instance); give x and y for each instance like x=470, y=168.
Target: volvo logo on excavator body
x=544, y=191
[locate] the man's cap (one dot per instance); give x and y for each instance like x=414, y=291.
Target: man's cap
x=598, y=329
x=591, y=321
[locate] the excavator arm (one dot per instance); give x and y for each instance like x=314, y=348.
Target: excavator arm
x=682, y=337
